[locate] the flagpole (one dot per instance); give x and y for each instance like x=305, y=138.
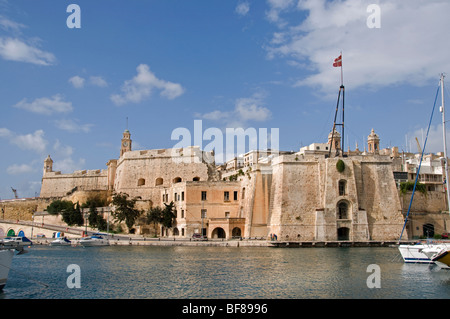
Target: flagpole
x=342, y=71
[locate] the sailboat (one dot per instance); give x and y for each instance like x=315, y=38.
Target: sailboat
x=429, y=252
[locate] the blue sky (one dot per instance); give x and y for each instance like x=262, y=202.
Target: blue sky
x=237, y=63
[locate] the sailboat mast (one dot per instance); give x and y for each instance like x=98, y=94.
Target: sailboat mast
x=445, y=140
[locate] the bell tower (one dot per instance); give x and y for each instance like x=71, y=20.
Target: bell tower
x=126, y=143
x=48, y=165
x=373, y=142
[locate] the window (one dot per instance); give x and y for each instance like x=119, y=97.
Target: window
x=203, y=195
x=227, y=214
x=196, y=179
x=177, y=180
x=203, y=213
x=342, y=210
x=182, y=196
x=342, y=187
x=182, y=213
x=141, y=182
x=226, y=196
x=235, y=195
x=243, y=193
x=175, y=197
x=159, y=181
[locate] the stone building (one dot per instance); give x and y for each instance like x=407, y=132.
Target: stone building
x=299, y=196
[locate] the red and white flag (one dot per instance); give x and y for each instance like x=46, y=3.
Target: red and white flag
x=338, y=61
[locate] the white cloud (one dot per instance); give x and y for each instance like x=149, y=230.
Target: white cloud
x=68, y=165
x=276, y=7
x=33, y=141
x=63, y=160
x=408, y=48
x=16, y=169
x=72, y=125
x=243, y=8
x=245, y=110
x=46, y=105
x=10, y=25
x=98, y=81
x=14, y=49
x=77, y=81
x=141, y=86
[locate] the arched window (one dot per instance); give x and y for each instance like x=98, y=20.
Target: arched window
x=159, y=181
x=342, y=187
x=342, y=210
x=177, y=180
x=141, y=182
x=196, y=179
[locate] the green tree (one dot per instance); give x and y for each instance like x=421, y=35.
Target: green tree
x=168, y=215
x=95, y=219
x=125, y=210
x=154, y=216
x=70, y=214
x=59, y=206
x=409, y=186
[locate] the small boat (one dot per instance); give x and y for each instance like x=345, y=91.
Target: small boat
x=15, y=242
x=442, y=258
x=6, y=256
x=94, y=240
x=61, y=241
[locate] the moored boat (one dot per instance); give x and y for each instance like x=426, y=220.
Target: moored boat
x=94, y=240
x=15, y=242
x=6, y=256
x=62, y=241
x=442, y=258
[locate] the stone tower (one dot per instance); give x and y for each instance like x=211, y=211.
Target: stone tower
x=373, y=143
x=126, y=143
x=336, y=140
x=48, y=165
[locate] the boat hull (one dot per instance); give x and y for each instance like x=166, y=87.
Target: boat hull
x=6, y=257
x=414, y=254
x=442, y=259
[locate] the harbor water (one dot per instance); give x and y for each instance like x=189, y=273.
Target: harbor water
x=160, y=272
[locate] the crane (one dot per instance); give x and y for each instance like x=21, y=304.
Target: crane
x=418, y=146
x=15, y=193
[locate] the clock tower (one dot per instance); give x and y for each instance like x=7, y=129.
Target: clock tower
x=126, y=143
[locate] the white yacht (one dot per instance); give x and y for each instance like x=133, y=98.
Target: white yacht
x=94, y=240
x=61, y=241
x=421, y=253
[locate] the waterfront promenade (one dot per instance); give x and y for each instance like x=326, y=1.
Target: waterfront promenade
x=35, y=231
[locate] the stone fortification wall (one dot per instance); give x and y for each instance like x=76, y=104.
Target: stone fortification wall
x=55, y=184
x=296, y=197
x=307, y=198
x=22, y=209
x=143, y=173
x=380, y=199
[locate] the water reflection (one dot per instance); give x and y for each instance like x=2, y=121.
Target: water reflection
x=218, y=272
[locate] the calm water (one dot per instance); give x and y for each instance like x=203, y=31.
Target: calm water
x=219, y=272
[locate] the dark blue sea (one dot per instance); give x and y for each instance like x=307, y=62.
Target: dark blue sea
x=151, y=272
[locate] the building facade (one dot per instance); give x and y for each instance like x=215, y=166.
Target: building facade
x=299, y=196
